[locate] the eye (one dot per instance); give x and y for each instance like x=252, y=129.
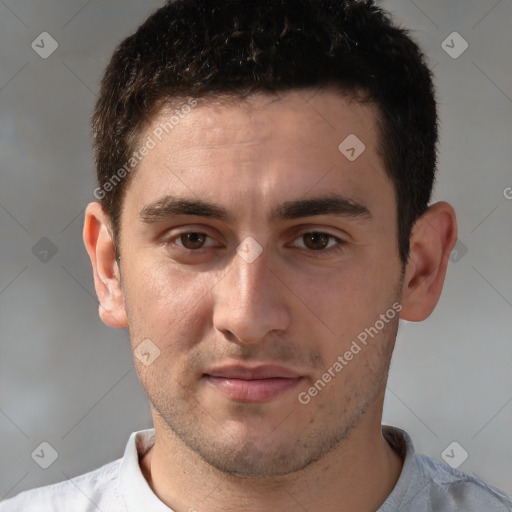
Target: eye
x=192, y=240
x=318, y=241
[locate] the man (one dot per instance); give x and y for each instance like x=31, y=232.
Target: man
x=263, y=221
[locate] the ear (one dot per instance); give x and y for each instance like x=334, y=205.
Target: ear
x=433, y=237
x=107, y=278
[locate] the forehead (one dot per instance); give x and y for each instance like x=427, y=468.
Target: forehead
x=273, y=146
x=228, y=119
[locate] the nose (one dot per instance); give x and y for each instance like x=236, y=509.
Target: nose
x=250, y=301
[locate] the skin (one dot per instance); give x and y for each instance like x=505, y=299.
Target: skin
x=300, y=304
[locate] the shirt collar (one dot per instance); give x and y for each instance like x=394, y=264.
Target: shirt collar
x=135, y=491
x=400, y=441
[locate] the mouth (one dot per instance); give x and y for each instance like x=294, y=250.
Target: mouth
x=254, y=385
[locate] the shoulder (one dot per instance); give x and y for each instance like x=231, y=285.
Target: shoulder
x=89, y=492
x=426, y=484
x=450, y=487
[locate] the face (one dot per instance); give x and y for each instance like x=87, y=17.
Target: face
x=262, y=263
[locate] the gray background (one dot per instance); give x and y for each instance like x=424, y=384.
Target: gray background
x=67, y=379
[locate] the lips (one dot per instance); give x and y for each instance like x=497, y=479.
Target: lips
x=248, y=373
x=257, y=384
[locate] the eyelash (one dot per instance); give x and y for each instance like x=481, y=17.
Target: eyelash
x=339, y=246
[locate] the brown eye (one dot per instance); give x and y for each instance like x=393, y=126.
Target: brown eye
x=316, y=241
x=193, y=240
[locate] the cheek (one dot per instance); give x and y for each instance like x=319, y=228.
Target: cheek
x=353, y=299
x=356, y=373
x=167, y=304
x=341, y=300
x=172, y=310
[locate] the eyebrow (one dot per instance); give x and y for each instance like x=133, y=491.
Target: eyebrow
x=332, y=204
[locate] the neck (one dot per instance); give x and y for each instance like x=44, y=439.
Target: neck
x=358, y=474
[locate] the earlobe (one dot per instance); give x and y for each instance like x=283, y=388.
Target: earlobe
x=100, y=247
x=433, y=237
